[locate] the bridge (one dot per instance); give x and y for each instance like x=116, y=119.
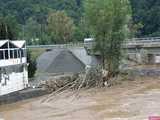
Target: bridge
x=152, y=45
x=133, y=47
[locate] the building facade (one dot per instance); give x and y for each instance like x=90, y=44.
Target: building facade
x=13, y=66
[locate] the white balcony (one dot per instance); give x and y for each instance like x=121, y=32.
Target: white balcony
x=16, y=61
x=12, y=53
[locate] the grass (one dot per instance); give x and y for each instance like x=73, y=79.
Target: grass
x=36, y=52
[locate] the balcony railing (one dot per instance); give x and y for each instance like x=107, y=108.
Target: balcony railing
x=14, y=61
x=12, y=56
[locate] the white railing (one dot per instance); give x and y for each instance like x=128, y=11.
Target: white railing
x=15, y=61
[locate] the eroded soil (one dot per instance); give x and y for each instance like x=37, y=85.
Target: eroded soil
x=130, y=100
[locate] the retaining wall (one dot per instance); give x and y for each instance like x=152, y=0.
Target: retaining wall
x=21, y=95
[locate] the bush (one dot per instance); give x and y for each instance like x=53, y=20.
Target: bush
x=32, y=65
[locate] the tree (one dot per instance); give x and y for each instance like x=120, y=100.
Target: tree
x=146, y=12
x=9, y=28
x=32, y=65
x=108, y=20
x=32, y=31
x=23, y=10
x=3, y=33
x=60, y=26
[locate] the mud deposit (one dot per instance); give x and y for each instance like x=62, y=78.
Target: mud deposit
x=134, y=100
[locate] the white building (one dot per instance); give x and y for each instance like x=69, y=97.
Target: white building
x=13, y=66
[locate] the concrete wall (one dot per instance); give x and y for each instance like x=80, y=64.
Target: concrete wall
x=82, y=55
x=12, y=82
x=148, y=59
x=157, y=59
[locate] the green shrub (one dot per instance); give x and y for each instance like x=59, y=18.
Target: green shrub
x=32, y=65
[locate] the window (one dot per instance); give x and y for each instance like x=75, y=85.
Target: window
x=11, y=54
x=22, y=53
x=1, y=55
x=6, y=54
x=15, y=54
x=0, y=75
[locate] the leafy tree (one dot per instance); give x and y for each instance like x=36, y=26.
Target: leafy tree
x=108, y=20
x=9, y=28
x=3, y=32
x=35, y=33
x=24, y=10
x=82, y=30
x=146, y=12
x=32, y=65
x=60, y=26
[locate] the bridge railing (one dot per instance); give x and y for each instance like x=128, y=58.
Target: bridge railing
x=133, y=41
x=72, y=45
x=146, y=39
x=143, y=41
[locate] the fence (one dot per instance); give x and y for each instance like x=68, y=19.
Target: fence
x=58, y=46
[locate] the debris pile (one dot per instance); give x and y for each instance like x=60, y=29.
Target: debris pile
x=91, y=78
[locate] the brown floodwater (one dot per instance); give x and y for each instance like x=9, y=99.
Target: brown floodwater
x=130, y=100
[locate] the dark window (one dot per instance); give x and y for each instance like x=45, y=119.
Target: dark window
x=22, y=53
x=15, y=54
x=0, y=75
x=11, y=54
x=1, y=55
x=6, y=54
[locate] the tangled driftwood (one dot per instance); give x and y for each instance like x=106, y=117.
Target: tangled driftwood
x=91, y=78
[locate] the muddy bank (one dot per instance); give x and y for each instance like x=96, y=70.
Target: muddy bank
x=129, y=100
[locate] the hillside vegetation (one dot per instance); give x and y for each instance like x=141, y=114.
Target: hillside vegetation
x=31, y=18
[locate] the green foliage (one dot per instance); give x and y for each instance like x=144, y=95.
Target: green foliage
x=32, y=65
x=146, y=12
x=35, y=33
x=108, y=20
x=61, y=27
x=9, y=28
x=23, y=13
x=24, y=9
x=38, y=11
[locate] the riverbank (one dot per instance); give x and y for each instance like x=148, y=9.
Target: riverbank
x=128, y=100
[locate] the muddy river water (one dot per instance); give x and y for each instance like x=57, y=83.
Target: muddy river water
x=134, y=100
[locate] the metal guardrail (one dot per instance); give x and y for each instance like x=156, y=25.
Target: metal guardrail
x=148, y=38
x=144, y=40
x=57, y=46
x=133, y=41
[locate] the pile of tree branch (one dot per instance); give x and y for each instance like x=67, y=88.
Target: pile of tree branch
x=90, y=79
